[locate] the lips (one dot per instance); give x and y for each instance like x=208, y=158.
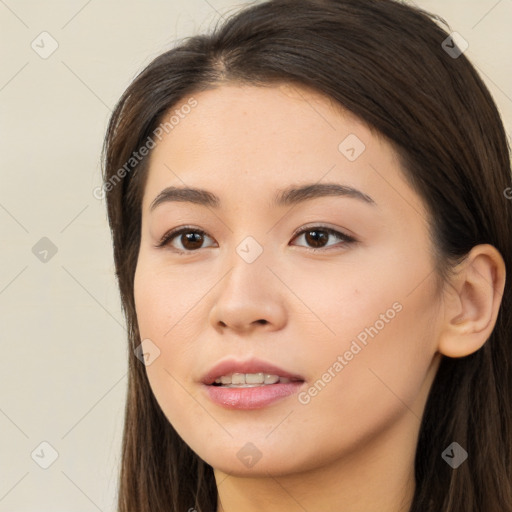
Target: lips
x=251, y=366
x=250, y=396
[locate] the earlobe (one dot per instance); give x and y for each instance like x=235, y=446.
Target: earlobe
x=472, y=302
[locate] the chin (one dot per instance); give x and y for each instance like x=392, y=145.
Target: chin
x=262, y=469
x=248, y=462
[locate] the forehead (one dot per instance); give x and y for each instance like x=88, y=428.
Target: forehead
x=280, y=114
x=247, y=141
x=239, y=122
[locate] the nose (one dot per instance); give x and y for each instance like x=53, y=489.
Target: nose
x=249, y=297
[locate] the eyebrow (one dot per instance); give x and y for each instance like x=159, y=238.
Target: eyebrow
x=286, y=197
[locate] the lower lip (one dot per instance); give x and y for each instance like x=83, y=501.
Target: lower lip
x=251, y=398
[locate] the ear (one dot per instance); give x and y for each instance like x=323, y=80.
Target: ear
x=471, y=302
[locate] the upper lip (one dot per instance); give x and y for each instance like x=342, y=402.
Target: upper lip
x=230, y=366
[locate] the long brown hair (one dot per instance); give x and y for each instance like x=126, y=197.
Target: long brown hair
x=396, y=68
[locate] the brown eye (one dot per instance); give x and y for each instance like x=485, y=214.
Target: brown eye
x=189, y=239
x=317, y=237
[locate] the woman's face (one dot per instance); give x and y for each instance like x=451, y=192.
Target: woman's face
x=257, y=275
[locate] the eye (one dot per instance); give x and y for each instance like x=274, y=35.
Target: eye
x=317, y=236
x=190, y=239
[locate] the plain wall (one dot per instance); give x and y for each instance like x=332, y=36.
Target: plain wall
x=64, y=370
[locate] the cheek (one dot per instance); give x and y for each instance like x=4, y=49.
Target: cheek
x=385, y=344
x=163, y=299
x=386, y=304
x=363, y=389
x=168, y=323
x=372, y=360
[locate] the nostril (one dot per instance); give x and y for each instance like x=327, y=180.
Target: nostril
x=261, y=321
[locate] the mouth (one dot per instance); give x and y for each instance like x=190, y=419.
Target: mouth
x=249, y=385
x=251, y=380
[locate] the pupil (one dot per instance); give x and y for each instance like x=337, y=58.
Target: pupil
x=316, y=239
x=192, y=237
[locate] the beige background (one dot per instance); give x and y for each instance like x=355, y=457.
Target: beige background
x=63, y=370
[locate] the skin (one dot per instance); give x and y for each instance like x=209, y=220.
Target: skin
x=352, y=446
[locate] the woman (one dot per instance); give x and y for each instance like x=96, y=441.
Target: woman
x=312, y=240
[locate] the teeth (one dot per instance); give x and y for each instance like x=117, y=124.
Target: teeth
x=238, y=378
x=271, y=379
x=249, y=379
x=254, y=378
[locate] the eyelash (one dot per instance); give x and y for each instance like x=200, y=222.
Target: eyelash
x=167, y=238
